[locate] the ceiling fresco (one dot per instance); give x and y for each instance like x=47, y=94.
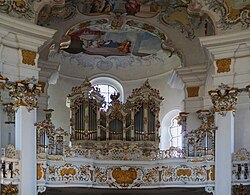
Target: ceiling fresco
x=123, y=34
x=102, y=39
x=138, y=8
x=97, y=44
x=230, y=12
x=225, y=13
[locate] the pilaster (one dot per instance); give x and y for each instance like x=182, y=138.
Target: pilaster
x=224, y=148
x=26, y=144
x=194, y=79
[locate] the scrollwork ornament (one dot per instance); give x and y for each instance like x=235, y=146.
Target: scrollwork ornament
x=10, y=189
x=240, y=190
x=41, y=189
x=209, y=189
x=25, y=93
x=17, y=8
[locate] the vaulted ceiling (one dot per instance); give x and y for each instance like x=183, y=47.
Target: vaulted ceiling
x=130, y=39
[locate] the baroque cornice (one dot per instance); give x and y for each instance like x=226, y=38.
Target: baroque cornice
x=19, y=34
x=193, y=75
x=227, y=46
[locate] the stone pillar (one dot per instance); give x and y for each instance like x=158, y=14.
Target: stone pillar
x=224, y=148
x=26, y=144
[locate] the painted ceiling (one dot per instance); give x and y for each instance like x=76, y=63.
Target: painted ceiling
x=113, y=36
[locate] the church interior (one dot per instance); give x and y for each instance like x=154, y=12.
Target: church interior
x=124, y=97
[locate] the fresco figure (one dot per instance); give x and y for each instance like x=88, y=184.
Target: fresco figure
x=108, y=7
x=132, y=7
x=96, y=6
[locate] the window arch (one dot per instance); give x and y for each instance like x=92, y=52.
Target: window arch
x=107, y=87
x=175, y=133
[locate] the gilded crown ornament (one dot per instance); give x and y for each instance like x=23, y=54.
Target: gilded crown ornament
x=23, y=92
x=224, y=99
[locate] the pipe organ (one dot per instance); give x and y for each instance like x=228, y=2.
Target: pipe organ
x=135, y=120
x=85, y=104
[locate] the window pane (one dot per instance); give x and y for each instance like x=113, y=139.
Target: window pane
x=106, y=91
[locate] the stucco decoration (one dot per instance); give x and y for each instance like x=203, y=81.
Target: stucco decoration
x=187, y=16
x=230, y=12
x=110, y=62
x=17, y=8
x=56, y=12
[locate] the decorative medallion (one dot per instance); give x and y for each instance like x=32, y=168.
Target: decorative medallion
x=223, y=65
x=193, y=91
x=124, y=177
x=28, y=57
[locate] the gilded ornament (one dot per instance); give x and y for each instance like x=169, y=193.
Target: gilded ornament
x=184, y=172
x=67, y=171
x=39, y=171
x=241, y=155
x=10, y=189
x=28, y=57
x=193, y=91
x=223, y=65
x=124, y=177
x=224, y=99
x=241, y=190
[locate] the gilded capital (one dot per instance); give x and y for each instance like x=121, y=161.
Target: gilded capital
x=224, y=99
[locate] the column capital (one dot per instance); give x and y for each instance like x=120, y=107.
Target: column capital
x=224, y=99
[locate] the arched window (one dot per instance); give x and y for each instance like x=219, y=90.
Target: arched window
x=175, y=133
x=106, y=91
x=107, y=87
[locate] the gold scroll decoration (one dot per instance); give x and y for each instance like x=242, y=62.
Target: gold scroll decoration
x=223, y=65
x=39, y=171
x=124, y=177
x=10, y=190
x=193, y=91
x=28, y=57
x=68, y=171
x=184, y=172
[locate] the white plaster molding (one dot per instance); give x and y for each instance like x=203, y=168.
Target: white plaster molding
x=193, y=76
x=209, y=189
x=19, y=34
x=227, y=46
